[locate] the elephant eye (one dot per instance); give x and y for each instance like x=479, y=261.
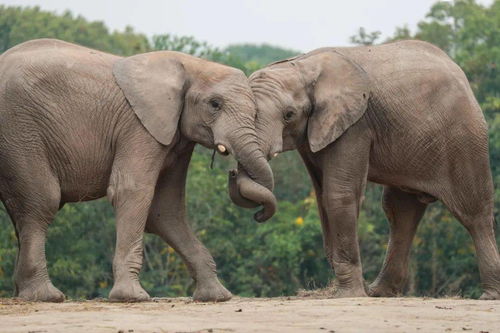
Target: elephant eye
x=216, y=104
x=288, y=115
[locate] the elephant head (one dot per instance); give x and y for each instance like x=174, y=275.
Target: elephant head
x=174, y=94
x=307, y=100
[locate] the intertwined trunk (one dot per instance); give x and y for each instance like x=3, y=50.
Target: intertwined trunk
x=253, y=184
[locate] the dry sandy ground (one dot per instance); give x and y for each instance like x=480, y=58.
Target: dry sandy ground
x=254, y=315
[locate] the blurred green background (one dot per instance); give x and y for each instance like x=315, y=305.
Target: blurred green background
x=285, y=254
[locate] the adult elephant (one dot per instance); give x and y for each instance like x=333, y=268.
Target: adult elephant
x=77, y=124
x=400, y=114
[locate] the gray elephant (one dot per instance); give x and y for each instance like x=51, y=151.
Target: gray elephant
x=400, y=114
x=78, y=124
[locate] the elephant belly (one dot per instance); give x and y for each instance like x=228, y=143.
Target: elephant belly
x=85, y=176
x=83, y=191
x=406, y=184
x=419, y=165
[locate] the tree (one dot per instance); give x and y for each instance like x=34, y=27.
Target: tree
x=365, y=38
x=19, y=24
x=257, y=56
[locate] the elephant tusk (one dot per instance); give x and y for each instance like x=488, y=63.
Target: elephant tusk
x=275, y=154
x=221, y=148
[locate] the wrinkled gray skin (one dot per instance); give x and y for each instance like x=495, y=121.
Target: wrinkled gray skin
x=399, y=114
x=77, y=124
x=247, y=193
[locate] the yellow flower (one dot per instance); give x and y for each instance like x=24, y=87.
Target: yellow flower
x=170, y=250
x=299, y=220
x=309, y=200
x=103, y=284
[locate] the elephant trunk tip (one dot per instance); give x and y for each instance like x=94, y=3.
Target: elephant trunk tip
x=266, y=212
x=248, y=194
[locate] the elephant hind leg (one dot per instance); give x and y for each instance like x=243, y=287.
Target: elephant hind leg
x=480, y=225
x=404, y=211
x=489, y=260
x=470, y=198
x=32, y=207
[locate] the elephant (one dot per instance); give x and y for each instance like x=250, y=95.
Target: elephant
x=401, y=114
x=78, y=124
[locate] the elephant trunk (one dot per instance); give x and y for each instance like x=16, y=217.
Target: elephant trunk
x=250, y=157
x=248, y=194
x=234, y=190
x=253, y=184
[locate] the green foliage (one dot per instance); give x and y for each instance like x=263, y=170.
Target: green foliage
x=187, y=45
x=190, y=45
x=365, y=38
x=19, y=24
x=8, y=253
x=285, y=254
x=78, y=247
x=256, y=56
x=402, y=33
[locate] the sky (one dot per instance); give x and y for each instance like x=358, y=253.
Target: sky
x=301, y=25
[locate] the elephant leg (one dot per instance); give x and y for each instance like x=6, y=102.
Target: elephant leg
x=341, y=241
x=344, y=169
x=480, y=226
x=167, y=219
x=469, y=195
x=131, y=191
x=483, y=235
x=404, y=212
x=32, y=209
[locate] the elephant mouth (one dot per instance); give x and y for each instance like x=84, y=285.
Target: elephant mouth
x=247, y=193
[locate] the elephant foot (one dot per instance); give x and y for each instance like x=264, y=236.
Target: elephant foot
x=378, y=289
x=343, y=290
x=42, y=292
x=212, y=291
x=348, y=292
x=490, y=295
x=128, y=291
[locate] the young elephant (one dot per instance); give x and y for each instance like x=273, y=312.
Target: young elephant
x=399, y=114
x=77, y=124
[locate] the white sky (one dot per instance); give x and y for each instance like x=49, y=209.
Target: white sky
x=302, y=25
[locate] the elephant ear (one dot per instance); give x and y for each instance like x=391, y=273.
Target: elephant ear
x=340, y=95
x=153, y=84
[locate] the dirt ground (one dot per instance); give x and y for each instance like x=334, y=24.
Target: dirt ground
x=287, y=314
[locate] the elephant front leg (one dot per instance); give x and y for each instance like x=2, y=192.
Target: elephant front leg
x=341, y=173
x=131, y=197
x=167, y=219
x=341, y=243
